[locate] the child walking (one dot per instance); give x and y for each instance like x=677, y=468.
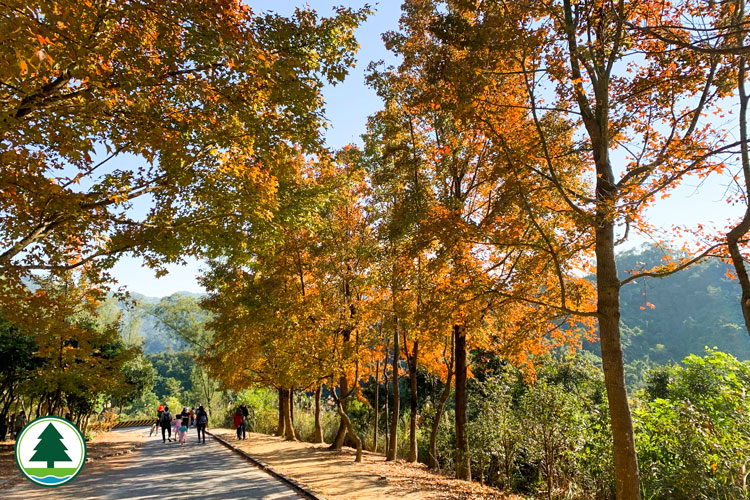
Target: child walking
x=184, y=424
x=176, y=423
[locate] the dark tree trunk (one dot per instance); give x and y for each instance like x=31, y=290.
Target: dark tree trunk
x=376, y=407
x=740, y=231
x=318, y=438
x=291, y=406
x=393, y=438
x=338, y=441
x=350, y=430
x=432, y=460
x=288, y=426
x=413, y=360
x=281, y=429
x=387, y=395
x=463, y=468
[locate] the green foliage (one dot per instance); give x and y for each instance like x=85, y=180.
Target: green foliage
x=693, y=434
x=692, y=309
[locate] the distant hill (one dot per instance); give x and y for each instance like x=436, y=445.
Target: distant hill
x=140, y=322
x=693, y=308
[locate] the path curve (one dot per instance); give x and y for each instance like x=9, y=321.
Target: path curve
x=157, y=471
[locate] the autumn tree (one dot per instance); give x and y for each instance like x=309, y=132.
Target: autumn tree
x=79, y=355
x=613, y=120
x=453, y=198
x=289, y=310
x=717, y=34
x=152, y=127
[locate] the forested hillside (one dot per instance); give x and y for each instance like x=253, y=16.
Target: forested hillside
x=692, y=309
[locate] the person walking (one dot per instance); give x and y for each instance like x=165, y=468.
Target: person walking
x=238, y=423
x=192, y=416
x=201, y=420
x=166, y=425
x=176, y=424
x=245, y=413
x=20, y=423
x=157, y=423
x=184, y=423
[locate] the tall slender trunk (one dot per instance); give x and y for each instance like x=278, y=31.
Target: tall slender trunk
x=387, y=395
x=740, y=231
x=608, y=306
x=338, y=441
x=281, y=428
x=595, y=116
x=291, y=406
x=376, y=407
x=413, y=360
x=463, y=464
x=432, y=460
x=318, y=437
x=393, y=438
x=288, y=426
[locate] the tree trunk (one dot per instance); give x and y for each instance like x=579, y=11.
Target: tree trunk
x=608, y=306
x=432, y=460
x=393, y=438
x=338, y=441
x=413, y=402
x=463, y=468
x=376, y=407
x=288, y=426
x=350, y=430
x=281, y=429
x=385, y=386
x=741, y=230
x=291, y=406
x=318, y=437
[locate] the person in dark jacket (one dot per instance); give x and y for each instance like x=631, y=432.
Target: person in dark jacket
x=184, y=424
x=238, y=422
x=245, y=413
x=166, y=425
x=201, y=420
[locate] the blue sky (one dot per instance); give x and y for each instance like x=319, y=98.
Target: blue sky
x=347, y=107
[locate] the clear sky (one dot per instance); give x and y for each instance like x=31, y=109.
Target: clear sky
x=347, y=107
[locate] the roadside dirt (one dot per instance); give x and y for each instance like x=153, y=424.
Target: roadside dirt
x=335, y=475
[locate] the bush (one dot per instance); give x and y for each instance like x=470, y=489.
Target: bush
x=694, y=442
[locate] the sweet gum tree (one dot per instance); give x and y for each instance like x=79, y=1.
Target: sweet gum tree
x=610, y=121
x=152, y=127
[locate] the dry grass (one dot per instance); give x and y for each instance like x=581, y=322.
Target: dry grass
x=335, y=475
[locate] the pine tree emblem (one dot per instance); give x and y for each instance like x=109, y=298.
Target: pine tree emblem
x=50, y=448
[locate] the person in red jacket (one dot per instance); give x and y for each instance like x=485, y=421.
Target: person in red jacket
x=238, y=423
x=155, y=427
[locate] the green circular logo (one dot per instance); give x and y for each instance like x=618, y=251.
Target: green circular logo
x=50, y=451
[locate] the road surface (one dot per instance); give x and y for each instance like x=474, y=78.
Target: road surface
x=164, y=471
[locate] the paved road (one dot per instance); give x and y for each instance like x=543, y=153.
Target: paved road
x=165, y=471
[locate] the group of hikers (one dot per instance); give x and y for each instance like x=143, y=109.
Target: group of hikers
x=180, y=423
